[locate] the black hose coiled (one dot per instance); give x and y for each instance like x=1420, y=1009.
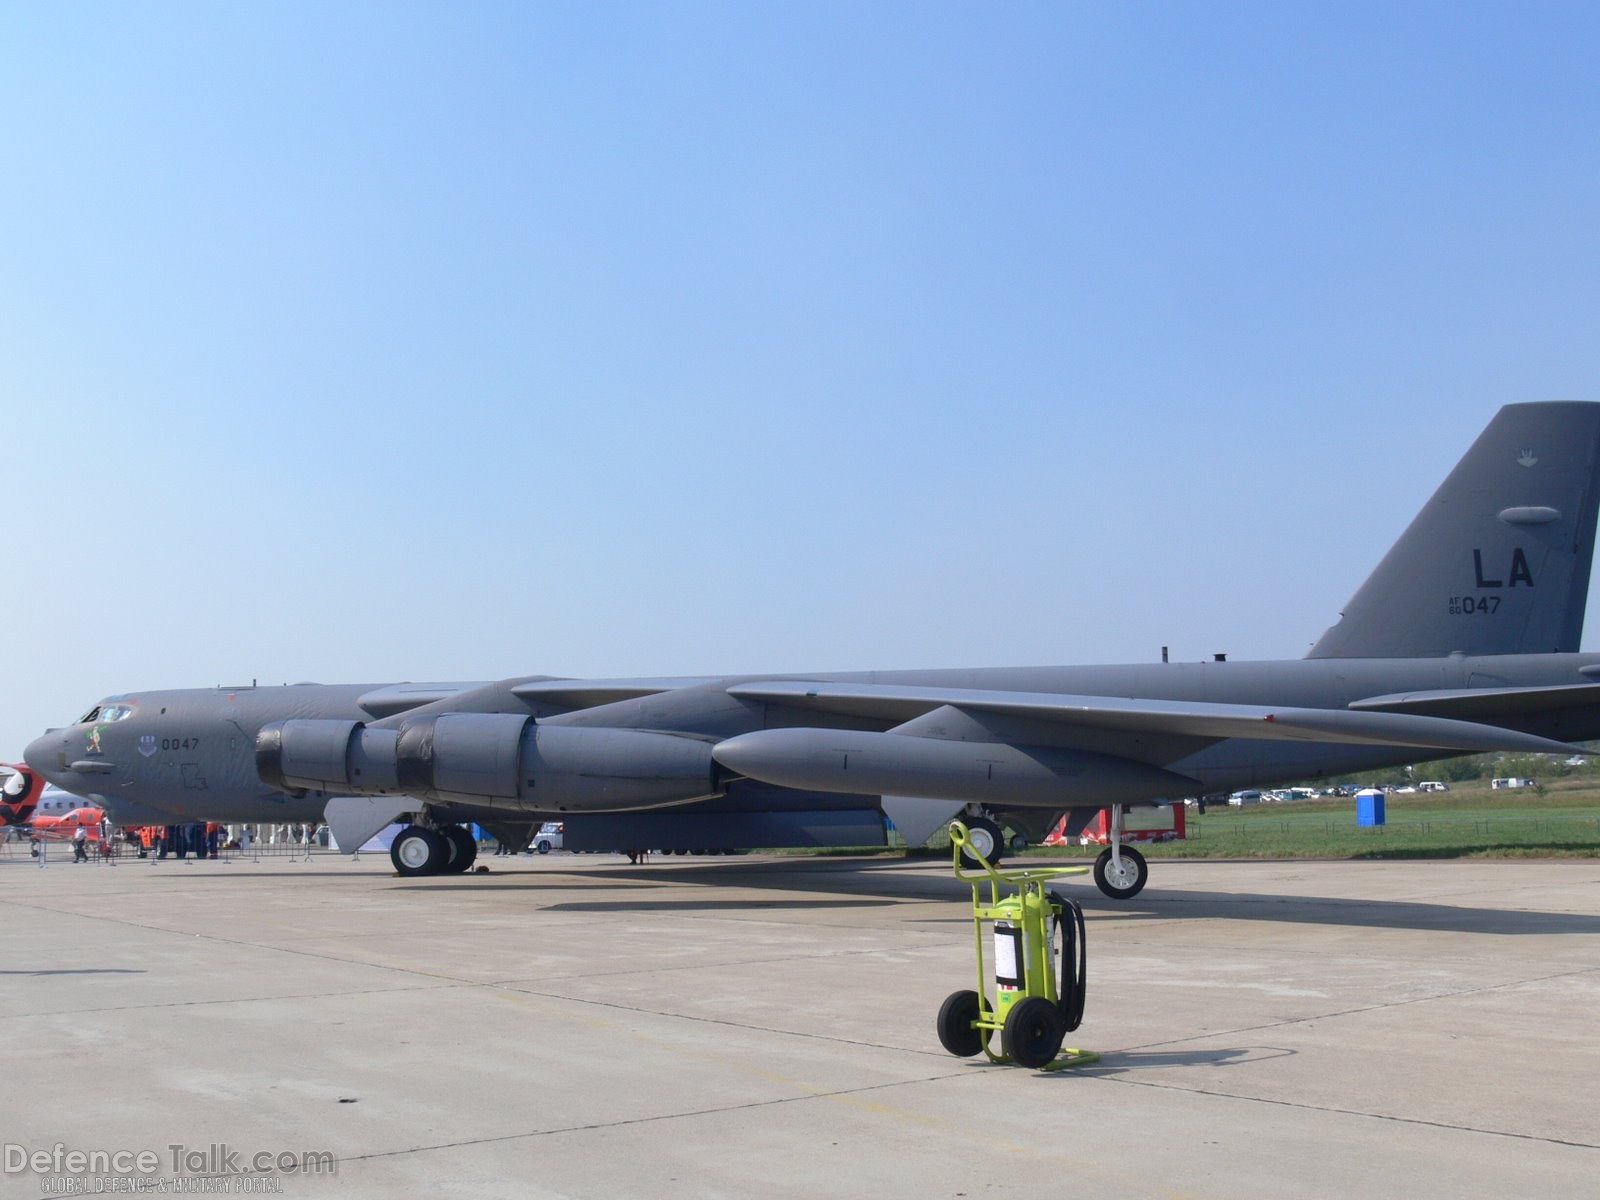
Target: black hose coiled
x=1074, y=948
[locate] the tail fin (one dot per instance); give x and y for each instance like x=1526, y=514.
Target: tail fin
x=20, y=789
x=1497, y=561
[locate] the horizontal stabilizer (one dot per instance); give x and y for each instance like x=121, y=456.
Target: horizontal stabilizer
x=1499, y=704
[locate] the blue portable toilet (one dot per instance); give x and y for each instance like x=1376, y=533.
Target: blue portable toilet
x=1369, y=807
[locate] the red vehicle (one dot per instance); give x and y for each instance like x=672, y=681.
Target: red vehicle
x=1163, y=823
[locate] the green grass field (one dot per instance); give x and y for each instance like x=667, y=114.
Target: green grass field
x=1471, y=821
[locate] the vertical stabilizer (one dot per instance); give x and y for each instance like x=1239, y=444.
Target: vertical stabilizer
x=20, y=789
x=1498, y=560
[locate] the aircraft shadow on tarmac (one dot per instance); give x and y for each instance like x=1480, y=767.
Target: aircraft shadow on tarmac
x=753, y=906
x=1120, y=1062
x=79, y=971
x=1342, y=910
x=625, y=886
x=882, y=880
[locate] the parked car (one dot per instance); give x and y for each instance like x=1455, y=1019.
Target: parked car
x=1433, y=785
x=549, y=837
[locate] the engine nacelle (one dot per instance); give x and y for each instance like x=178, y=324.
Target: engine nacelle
x=500, y=760
x=326, y=755
x=897, y=764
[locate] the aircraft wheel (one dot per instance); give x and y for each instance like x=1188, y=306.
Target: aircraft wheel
x=984, y=836
x=418, y=851
x=1123, y=884
x=956, y=1015
x=1033, y=1032
x=464, y=849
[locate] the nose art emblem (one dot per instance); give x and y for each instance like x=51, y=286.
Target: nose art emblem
x=147, y=745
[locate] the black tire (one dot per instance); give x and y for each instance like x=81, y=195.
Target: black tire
x=418, y=851
x=464, y=849
x=1135, y=874
x=1033, y=1032
x=985, y=837
x=542, y=846
x=956, y=1015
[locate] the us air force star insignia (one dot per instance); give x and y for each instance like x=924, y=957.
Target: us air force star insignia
x=1527, y=459
x=147, y=745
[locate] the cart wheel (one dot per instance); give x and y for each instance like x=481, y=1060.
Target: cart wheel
x=956, y=1016
x=1033, y=1032
x=985, y=837
x=1126, y=883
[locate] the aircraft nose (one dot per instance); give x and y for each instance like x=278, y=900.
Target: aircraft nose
x=43, y=753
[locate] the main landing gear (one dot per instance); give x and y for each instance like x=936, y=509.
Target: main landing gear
x=418, y=850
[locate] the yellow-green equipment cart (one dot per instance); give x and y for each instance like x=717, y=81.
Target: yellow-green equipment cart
x=1040, y=965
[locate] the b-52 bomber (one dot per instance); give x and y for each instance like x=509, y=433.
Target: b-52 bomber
x=1464, y=639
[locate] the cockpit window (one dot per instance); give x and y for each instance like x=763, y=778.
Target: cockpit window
x=103, y=714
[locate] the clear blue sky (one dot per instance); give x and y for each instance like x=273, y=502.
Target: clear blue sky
x=376, y=341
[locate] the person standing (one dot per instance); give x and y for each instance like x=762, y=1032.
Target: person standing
x=80, y=843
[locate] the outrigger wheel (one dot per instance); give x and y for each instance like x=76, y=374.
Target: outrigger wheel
x=1121, y=881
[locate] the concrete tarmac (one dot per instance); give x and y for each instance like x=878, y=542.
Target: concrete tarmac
x=758, y=1026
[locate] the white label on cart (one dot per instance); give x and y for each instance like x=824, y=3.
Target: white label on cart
x=1007, y=970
